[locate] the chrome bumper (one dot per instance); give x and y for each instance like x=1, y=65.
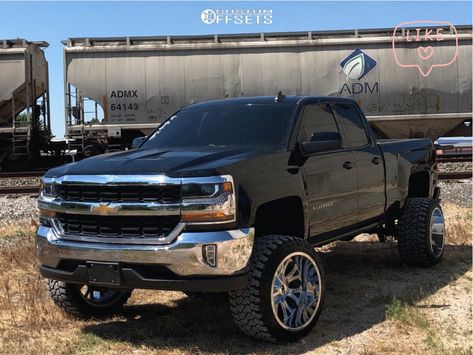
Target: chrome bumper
x=184, y=256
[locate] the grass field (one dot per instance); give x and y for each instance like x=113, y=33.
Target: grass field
x=373, y=305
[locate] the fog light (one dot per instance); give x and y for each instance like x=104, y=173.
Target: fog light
x=209, y=252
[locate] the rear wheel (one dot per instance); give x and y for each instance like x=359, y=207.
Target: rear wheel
x=285, y=293
x=421, y=237
x=84, y=301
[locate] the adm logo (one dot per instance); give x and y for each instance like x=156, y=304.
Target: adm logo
x=357, y=64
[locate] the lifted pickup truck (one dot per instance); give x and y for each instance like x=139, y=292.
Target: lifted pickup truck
x=232, y=196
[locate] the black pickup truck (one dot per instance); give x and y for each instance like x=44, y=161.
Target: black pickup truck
x=232, y=196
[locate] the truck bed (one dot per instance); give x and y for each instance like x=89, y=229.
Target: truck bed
x=403, y=158
x=404, y=145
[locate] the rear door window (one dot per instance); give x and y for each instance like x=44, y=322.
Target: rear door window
x=317, y=118
x=352, y=125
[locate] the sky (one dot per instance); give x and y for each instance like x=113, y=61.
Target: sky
x=55, y=21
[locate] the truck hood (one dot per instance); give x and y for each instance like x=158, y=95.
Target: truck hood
x=175, y=163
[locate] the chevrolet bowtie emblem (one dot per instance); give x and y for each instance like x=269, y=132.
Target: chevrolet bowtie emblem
x=104, y=209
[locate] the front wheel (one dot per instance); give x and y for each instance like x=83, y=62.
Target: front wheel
x=285, y=291
x=421, y=237
x=85, y=301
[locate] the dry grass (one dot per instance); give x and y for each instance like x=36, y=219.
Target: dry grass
x=28, y=320
x=15, y=229
x=458, y=223
x=374, y=305
x=410, y=316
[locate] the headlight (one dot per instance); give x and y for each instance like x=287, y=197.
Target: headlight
x=204, y=203
x=48, y=189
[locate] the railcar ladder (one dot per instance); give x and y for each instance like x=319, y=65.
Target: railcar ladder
x=20, y=138
x=75, y=117
x=76, y=143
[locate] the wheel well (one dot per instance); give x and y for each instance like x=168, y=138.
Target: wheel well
x=419, y=184
x=284, y=216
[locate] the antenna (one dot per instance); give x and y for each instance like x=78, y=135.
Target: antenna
x=279, y=97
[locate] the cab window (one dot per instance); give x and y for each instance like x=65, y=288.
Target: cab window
x=317, y=118
x=352, y=125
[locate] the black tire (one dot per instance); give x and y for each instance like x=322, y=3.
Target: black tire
x=70, y=299
x=417, y=245
x=252, y=307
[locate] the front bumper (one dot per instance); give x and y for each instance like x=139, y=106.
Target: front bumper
x=179, y=265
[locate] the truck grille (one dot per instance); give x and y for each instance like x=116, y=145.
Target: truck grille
x=93, y=193
x=116, y=226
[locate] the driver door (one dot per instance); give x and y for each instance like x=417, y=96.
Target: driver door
x=330, y=175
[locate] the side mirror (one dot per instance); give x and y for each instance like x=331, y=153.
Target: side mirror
x=322, y=141
x=137, y=142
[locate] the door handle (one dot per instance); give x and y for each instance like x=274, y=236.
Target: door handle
x=376, y=160
x=348, y=165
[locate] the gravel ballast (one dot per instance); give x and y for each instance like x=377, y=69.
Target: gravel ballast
x=15, y=181
x=18, y=207
x=455, y=167
x=458, y=192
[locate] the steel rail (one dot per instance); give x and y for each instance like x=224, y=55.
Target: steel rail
x=21, y=174
x=12, y=190
x=454, y=175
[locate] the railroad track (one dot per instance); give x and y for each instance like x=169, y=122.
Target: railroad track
x=441, y=159
x=455, y=175
x=21, y=174
x=13, y=190
x=20, y=189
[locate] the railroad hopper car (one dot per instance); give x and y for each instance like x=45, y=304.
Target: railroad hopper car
x=120, y=88
x=24, y=102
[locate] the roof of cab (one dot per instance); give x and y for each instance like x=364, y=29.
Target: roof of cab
x=255, y=100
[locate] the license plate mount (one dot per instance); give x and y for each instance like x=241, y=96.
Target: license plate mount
x=103, y=273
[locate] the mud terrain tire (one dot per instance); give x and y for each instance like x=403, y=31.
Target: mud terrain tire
x=421, y=237
x=261, y=308
x=71, y=300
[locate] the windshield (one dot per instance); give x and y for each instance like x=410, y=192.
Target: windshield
x=265, y=126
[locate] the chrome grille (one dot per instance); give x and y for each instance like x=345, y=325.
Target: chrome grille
x=117, y=226
x=97, y=193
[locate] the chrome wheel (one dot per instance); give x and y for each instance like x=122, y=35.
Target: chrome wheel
x=437, y=232
x=295, y=295
x=98, y=296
